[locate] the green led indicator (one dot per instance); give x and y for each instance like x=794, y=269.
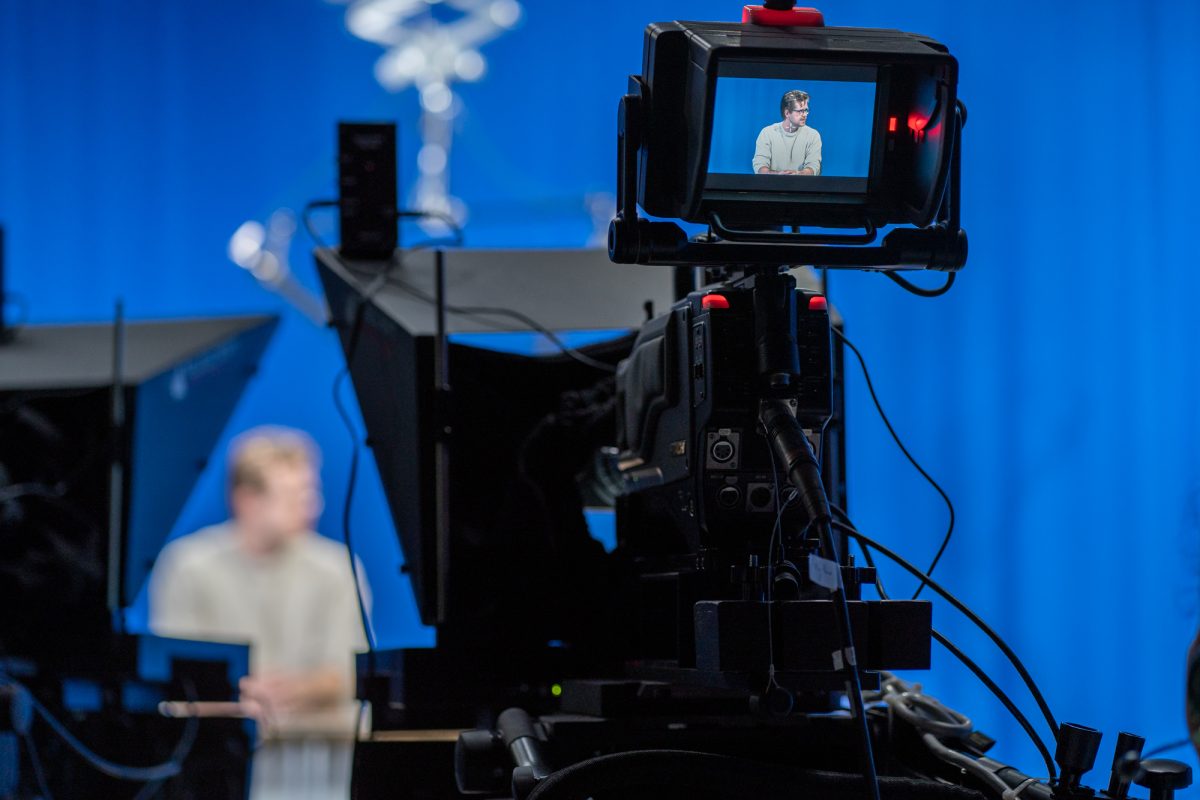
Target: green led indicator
x=556, y=689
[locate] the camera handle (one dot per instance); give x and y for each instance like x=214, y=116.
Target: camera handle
x=737, y=235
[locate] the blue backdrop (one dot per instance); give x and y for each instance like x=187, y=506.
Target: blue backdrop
x=1055, y=391
x=841, y=111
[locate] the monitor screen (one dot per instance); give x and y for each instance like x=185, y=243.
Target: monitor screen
x=792, y=127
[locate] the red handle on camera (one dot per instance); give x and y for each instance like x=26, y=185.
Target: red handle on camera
x=780, y=18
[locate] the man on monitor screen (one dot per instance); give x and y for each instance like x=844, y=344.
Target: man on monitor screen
x=789, y=147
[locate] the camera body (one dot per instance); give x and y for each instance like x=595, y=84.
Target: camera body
x=697, y=468
x=707, y=516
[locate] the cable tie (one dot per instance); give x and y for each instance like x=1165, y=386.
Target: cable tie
x=823, y=572
x=843, y=657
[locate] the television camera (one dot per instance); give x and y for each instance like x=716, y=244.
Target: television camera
x=738, y=656
x=744, y=586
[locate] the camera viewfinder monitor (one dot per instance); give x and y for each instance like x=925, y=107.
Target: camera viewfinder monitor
x=863, y=139
x=792, y=128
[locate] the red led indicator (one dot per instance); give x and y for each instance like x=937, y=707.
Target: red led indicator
x=817, y=303
x=891, y=124
x=916, y=124
x=710, y=301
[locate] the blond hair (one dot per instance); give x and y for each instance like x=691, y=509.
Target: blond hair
x=254, y=452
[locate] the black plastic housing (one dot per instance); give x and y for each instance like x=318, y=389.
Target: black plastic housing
x=682, y=61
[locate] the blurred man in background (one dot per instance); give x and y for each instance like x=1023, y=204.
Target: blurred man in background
x=265, y=578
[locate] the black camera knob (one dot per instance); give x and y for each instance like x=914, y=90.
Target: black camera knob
x=480, y=763
x=1076, y=752
x=1162, y=776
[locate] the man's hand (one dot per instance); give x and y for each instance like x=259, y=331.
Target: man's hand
x=270, y=695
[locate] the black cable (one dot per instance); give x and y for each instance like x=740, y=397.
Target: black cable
x=351, y=480
x=351, y=349
x=343, y=412
x=803, y=472
x=152, y=788
x=456, y=239
x=1003, y=698
x=306, y=218
x=971, y=615
x=470, y=312
x=583, y=358
x=1164, y=748
x=15, y=491
x=445, y=219
x=776, y=531
x=851, y=666
x=919, y=291
x=479, y=312
x=149, y=790
x=404, y=213
x=887, y=423
x=675, y=773
x=167, y=769
x=369, y=292
x=39, y=774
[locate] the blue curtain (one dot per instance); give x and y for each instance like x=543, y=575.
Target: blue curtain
x=1055, y=392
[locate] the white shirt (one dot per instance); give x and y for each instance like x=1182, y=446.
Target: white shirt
x=298, y=610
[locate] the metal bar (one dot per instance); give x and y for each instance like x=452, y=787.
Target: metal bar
x=441, y=453
x=116, y=479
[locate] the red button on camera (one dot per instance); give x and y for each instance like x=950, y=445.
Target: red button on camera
x=710, y=301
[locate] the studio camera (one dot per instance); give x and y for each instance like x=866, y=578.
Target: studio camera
x=750, y=627
x=730, y=645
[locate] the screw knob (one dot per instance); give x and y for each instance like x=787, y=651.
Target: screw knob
x=1162, y=776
